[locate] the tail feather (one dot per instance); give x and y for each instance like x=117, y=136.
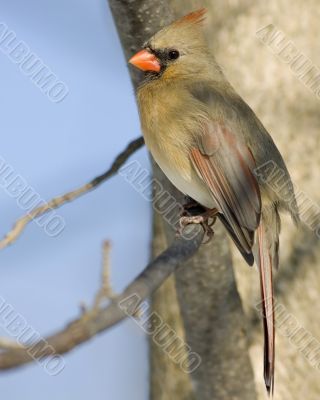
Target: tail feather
x=266, y=256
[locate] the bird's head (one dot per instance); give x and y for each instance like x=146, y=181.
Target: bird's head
x=177, y=51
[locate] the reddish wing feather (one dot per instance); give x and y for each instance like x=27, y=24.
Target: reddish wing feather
x=226, y=167
x=211, y=177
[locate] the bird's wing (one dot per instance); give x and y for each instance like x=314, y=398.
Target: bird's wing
x=226, y=166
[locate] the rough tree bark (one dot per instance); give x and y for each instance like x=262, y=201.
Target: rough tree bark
x=205, y=305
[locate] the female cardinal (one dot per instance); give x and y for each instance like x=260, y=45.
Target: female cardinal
x=209, y=143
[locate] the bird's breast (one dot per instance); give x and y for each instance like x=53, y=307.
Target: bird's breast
x=176, y=165
x=170, y=125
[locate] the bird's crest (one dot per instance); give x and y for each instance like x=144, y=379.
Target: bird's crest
x=195, y=17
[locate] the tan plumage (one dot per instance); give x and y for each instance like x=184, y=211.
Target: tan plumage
x=208, y=142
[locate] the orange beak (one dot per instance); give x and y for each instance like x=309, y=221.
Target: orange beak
x=146, y=61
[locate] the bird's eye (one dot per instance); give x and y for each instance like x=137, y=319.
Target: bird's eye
x=173, y=54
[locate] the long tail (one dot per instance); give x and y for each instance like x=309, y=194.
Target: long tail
x=267, y=258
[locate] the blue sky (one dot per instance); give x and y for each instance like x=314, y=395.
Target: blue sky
x=56, y=147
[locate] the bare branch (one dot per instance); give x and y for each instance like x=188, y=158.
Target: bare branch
x=96, y=321
x=57, y=202
x=9, y=344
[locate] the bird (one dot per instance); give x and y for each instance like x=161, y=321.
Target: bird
x=209, y=143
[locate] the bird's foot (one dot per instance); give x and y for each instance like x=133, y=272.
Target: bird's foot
x=207, y=219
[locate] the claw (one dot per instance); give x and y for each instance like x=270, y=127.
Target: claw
x=214, y=219
x=202, y=219
x=209, y=233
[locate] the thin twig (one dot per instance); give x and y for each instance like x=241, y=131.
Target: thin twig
x=96, y=321
x=57, y=202
x=105, y=292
